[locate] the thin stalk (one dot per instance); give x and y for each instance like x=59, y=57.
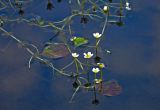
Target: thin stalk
x=98, y=40
x=95, y=96
x=96, y=47
x=77, y=70
x=105, y=23
x=121, y=6
x=101, y=77
x=101, y=74
x=88, y=78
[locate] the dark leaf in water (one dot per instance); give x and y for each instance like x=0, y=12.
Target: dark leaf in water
x=119, y=23
x=95, y=101
x=21, y=12
x=55, y=50
x=84, y=20
x=110, y=1
x=87, y=84
x=109, y=88
x=94, y=8
x=50, y=6
x=97, y=59
x=75, y=84
x=59, y=0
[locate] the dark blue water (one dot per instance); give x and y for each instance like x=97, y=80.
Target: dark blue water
x=134, y=63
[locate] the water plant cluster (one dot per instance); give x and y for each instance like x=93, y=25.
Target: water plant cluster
x=86, y=69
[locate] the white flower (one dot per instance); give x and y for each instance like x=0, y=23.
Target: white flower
x=95, y=70
x=73, y=38
x=128, y=6
x=101, y=65
x=105, y=8
x=88, y=55
x=75, y=55
x=97, y=35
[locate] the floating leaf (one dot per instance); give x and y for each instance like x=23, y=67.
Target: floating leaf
x=78, y=41
x=55, y=50
x=109, y=88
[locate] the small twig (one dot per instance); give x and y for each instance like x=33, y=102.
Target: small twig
x=74, y=94
x=29, y=63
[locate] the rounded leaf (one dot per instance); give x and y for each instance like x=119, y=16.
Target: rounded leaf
x=55, y=50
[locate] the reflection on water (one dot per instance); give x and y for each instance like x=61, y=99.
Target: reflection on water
x=134, y=62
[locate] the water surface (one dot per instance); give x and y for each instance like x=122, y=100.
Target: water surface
x=134, y=62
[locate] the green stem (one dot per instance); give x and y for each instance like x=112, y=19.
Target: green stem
x=82, y=5
x=101, y=76
x=77, y=70
x=95, y=87
x=95, y=96
x=105, y=23
x=121, y=6
x=94, y=76
x=87, y=72
x=96, y=47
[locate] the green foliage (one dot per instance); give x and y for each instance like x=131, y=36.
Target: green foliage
x=79, y=41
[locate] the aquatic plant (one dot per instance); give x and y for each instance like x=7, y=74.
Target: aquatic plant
x=109, y=12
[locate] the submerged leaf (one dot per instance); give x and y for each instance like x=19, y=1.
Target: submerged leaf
x=95, y=101
x=109, y=88
x=55, y=50
x=78, y=41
